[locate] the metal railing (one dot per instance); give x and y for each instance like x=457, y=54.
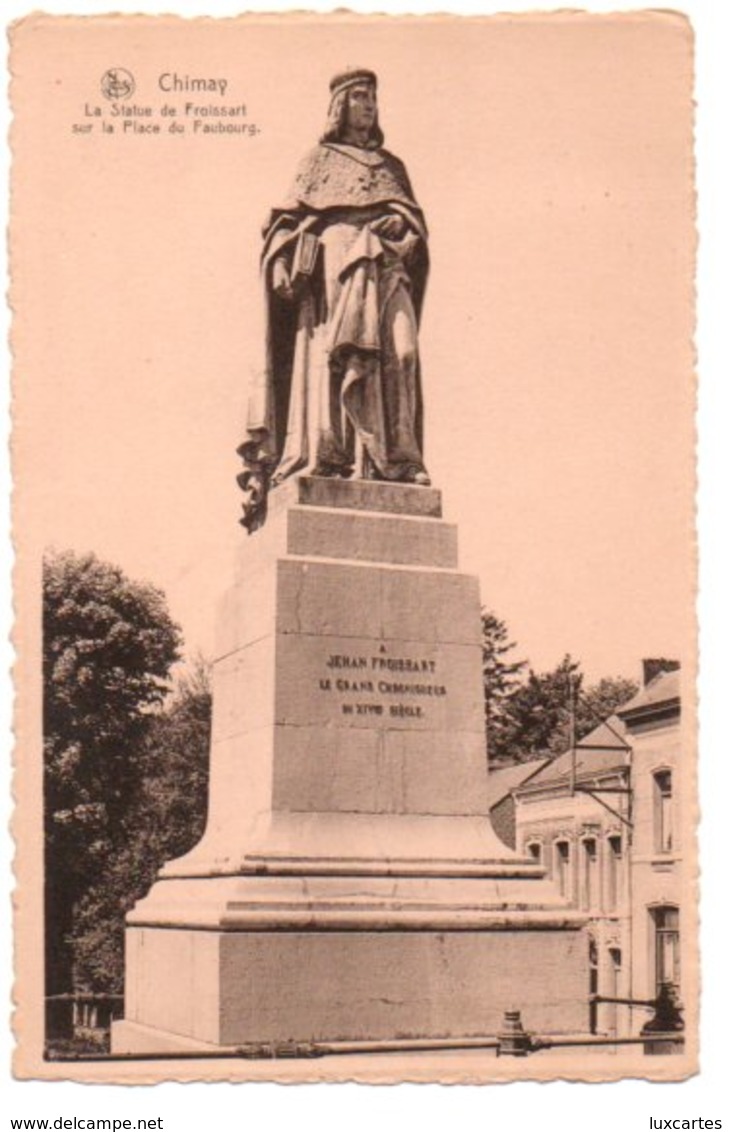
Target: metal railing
x=662, y=1035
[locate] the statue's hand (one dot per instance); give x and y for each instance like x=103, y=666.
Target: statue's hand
x=392, y=227
x=281, y=284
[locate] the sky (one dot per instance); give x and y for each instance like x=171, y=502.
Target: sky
x=553, y=163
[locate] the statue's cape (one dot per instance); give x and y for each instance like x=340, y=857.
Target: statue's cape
x=345, y=176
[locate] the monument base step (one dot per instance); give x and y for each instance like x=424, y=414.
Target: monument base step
x=134, y=1038
x=356, y=844
x=229, y=988
x=355, y=902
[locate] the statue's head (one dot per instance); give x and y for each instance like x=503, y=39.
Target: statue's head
x=352, y=114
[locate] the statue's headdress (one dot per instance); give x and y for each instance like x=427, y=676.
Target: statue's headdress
x=352, y=76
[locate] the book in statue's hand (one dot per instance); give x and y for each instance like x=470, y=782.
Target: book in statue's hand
x=305, y=255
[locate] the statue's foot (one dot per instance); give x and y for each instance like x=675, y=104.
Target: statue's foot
x=408, y=473
x=332, y=471
x=417, y=476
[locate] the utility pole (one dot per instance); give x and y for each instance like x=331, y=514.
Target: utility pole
x=572, y=693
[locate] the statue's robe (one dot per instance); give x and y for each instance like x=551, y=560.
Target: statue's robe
x=341, y=379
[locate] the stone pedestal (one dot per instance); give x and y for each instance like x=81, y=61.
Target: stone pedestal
x=349, y=885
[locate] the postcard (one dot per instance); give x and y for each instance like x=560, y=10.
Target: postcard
x=354, y=517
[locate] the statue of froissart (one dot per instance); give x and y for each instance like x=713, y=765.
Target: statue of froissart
x=344, y=268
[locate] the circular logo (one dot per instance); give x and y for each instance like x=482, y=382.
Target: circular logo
x=117, y=83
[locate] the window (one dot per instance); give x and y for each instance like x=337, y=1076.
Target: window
x=615, y=872
x=666, y=928
x=614, y=989
x=534, y=850
x=589, y=884
x=663, y=830
x=562, y=866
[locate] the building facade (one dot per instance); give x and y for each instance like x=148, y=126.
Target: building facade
x=658, y=866
x=573, y=817
x=603, y=819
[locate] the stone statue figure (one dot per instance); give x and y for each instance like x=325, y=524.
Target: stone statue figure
x=344, y=269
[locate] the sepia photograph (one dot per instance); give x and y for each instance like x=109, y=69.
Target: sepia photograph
x=354, y=509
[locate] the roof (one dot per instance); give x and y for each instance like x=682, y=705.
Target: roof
x=508, y=778
x=592, y=755
x=663, y=689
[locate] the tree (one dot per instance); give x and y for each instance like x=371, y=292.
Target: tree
x=536, y=718
x=167, y=820
x=601, y=701
x=177, y=753
x=501, y=677
x=108, y=647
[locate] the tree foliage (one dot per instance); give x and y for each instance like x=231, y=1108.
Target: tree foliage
x=536, y=719
x=529, y=713
x=108, y=647
x=601, y=700
x=166, y=821
x=502, y=677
